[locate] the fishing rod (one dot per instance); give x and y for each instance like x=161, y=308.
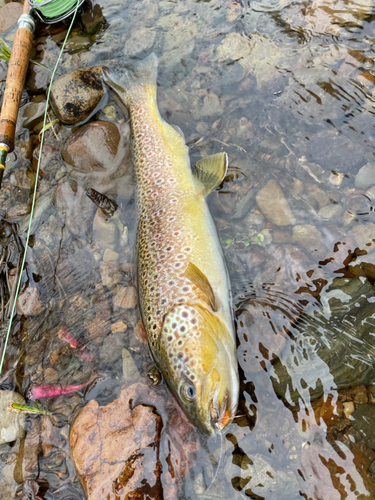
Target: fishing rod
x=49, y=12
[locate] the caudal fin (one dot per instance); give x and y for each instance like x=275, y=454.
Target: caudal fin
x=130, y=82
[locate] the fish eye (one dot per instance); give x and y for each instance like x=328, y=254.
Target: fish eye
x=188, y=392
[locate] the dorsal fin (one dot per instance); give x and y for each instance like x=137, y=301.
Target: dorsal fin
x=200, y=280
x=210, y=171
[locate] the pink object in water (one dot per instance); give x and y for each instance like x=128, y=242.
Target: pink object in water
x=52, y=390
x=64, y=334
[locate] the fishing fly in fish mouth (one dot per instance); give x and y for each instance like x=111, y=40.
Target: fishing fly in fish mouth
x=183, y=283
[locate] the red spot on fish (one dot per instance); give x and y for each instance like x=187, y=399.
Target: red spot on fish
x=158, y=268
x=144, y=127
x=141, y=110
x=150, y=153
x=172, y=180
x=155, y=195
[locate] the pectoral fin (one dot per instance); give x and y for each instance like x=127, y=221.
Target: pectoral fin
x=195, y=275
x=210, y=171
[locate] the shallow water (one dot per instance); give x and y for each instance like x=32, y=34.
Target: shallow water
x=287, y=90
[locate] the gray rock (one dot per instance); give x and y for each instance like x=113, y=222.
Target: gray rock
x=364, y=236
x=12, y=425
x=125, y=298
x=31, y=114
x=309, y=237
x=363, y=423
x=106, y=230
x=74, y=96
x=140, y=39
x=75, y=209
x=273, y=204
x=212, y=105
x=365, y=177
x=9, y=15
x=130, y=371
x=77, y=43
x=110, y=273
x=331, y=211
x=112, y=347
x=261, y=478
x=333, y=344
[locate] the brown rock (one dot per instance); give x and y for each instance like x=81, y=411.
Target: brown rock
x=110, y=273
x=93, y=147
x=126, y=450
x=125, y=298
x=91, y=17
x=9, y=15
x=29, y=303
x=18, y=211
x=119, y=327
x=273, y=204
x=74, y=96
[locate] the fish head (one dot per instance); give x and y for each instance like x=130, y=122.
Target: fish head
x=198, y=360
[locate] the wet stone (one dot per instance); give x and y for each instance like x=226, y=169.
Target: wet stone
x=93, y=147
x=12, y=425
x=125, y=298
x=110, y=273
x=112, y=347
x=139, y=40
x=364, y=236
x=365, y=177
x=31, y=114
x=29, y=303
x=74, y=96
x=273, y=204
x=130, y=371
x=9, y=15
x=363, y=423
x=309, y=237
x=119, y=327
x=92, y=16
x=109, y=255
x=106, y=232
x=18, y=211
x=331, y=211
x=74, y=207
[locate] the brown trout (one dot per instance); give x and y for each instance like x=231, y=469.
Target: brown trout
x=182, y=280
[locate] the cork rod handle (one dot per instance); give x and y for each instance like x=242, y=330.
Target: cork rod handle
x=15, y=82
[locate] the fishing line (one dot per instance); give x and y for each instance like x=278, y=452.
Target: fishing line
x=36, y=186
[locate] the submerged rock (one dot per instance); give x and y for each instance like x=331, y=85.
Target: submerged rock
x=364, y=423
x=73, y=207
x=130, y=371
x=365, y=177
x=273, y=204
x=74, y=96
x=9, y=15
x=12, y=425
x=29, y=303
x=139, y=446
x=309, y=237
x=333, y=343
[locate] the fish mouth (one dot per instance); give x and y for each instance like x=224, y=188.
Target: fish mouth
x=222, y=416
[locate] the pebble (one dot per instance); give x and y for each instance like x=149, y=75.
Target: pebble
x=112, y=347
x=309, y=237
x=18, y=211
x=91, y=17
x=130, y=371
x=365, y=177
x=348, y=408
x=12, y=425
x=77, y=43
x=9, y=15
x=31, y=114
x=273, y=204
x=125, y=298
x=364, y=236
x=106, y=232
x=140, y=39
x=119, y=327
x=110, y=273
x=109, y=255
x=331, y=211
x=29, y=303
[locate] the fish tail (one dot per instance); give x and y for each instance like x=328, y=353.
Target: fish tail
x=130, y=84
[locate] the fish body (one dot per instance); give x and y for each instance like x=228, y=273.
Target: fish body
x=182, y=279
